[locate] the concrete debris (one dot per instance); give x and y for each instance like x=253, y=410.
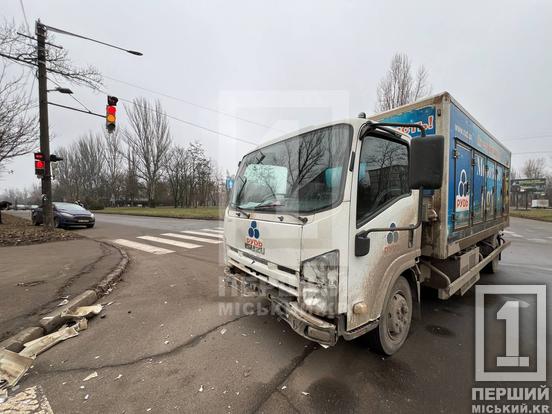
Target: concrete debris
x=86, y=397
x=201, y=389
x=36, y=347
x=12, y=367
x=284, y=387
x=82, y=311
x=82, y=387
x=324, y=346
x=63, y=302
x=81, y=324
x=305, y=393
x=223, y=331
x=93, y=375
x=3, y=395
x=118, y=377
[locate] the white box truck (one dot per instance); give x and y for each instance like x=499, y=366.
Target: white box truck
x=339, y=225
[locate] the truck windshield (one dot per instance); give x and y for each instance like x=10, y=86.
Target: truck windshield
x=304, y=173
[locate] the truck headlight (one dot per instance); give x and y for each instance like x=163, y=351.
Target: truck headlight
x=318, y=285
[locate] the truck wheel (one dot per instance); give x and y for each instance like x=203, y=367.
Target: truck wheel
x=395, y=319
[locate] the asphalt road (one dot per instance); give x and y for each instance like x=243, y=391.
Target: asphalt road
x=173, y=340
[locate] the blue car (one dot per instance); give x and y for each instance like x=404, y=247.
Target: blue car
x=66, y=215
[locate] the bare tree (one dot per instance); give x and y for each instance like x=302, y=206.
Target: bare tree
x=149, y=138
x=399, y=86
x=176, y=171
x=18, y=125
x=534, y=168
x=58, y=63
x=113, y=161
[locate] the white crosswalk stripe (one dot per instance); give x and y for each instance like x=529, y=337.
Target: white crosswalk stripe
x=169, y=241
x=219, y=228
x=214, y=231
x=194, y=238
x=202, y=233
x=141, y=246
x=537, y=240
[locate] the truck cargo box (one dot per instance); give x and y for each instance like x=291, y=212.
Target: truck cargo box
x=473, y=202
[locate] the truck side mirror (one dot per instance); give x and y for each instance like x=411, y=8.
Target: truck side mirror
x=426, y=162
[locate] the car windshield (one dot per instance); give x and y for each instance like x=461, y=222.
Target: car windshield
x=70, y=207
x=304, y=173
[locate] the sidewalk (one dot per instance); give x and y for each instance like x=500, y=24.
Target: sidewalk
x=35, y=279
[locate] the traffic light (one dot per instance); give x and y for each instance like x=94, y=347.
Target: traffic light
x=111, y=113
x=40, y=164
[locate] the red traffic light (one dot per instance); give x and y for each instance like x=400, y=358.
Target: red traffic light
x=111, y=110
x=40, y=164
x=110, y=118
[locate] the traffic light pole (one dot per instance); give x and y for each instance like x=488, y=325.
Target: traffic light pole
x=44, y=128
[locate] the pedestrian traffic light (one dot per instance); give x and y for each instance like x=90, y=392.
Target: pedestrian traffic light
x=40, y=164
x=111, y=113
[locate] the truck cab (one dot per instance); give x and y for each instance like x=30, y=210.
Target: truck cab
x=327, y=223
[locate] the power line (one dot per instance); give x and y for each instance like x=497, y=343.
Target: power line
x=188, y=122
x=194, y=104
x=71, y=96
x=133, y=103
x=25, y=17
x=531, y=152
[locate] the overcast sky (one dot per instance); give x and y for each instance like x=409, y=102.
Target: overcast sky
x=289, y=64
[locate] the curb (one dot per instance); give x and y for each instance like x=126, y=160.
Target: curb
x=54, y=320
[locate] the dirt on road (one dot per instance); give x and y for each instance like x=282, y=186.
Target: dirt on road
x=16, y=231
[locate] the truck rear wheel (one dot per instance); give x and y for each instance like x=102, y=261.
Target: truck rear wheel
x=395, y=319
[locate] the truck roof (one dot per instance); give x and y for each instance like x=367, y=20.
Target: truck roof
x=433, y=100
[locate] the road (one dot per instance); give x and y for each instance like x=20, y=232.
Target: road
x=173, y=340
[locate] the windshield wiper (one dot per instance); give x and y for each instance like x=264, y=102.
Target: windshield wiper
x=296, y=216
x=241, y=210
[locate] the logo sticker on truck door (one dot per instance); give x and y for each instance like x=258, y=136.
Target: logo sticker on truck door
x=252, y=240
x=462, y=193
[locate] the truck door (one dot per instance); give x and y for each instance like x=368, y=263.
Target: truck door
x=462, y=187
x=500, y=193
x=478, y=190
x=381, y=198
x=490, y=205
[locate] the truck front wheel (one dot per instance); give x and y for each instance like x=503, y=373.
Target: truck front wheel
x=395, y=319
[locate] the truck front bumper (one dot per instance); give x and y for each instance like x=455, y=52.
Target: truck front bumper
x=305, y=324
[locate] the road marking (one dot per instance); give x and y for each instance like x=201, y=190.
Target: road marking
x=511, y=233
x=185, y=236
x=142, y=246
x=169, y=241
x=200, y=233
x=219, y=228
x=214, y=231
x=538, y=240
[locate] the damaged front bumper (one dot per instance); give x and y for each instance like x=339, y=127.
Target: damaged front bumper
x=305, y=324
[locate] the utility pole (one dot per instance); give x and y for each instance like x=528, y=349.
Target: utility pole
x=44, y=132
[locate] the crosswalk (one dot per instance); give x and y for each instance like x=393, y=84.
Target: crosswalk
x=185, y=239
x=516, y=236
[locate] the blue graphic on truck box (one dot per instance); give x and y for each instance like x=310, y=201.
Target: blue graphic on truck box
x=484, y=199
x=424, y=116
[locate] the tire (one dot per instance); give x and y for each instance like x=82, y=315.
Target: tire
x=395, y=319
x=34, y=221
x=89, y=226
x=57, y=224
